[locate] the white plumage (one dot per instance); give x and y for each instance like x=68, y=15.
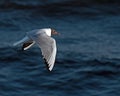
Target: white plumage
x=42, y=37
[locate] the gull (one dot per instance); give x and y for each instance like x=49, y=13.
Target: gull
x=47, y=44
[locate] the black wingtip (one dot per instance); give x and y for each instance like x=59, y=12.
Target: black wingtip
x=46, y=63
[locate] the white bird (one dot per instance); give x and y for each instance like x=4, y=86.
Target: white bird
x=42, y=37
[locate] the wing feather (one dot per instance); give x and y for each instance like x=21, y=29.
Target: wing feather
x=27, y=45
x=48, y=48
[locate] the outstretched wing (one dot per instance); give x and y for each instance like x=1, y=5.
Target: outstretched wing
x=26, y=41
x=27, y=45
x=48, y=48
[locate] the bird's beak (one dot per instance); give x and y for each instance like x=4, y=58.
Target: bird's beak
x=57, y=33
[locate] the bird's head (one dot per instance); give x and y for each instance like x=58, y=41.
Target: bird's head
x=50, y=31
x=54, y=32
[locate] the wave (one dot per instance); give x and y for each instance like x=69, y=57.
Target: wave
x=56, y=6
x=35, y=4
x=32, y=59
x=14, y=54
x=87, y=9
x=22, y=70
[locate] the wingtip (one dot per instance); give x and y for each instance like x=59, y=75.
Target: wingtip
x=48, y=68
x=14, y=44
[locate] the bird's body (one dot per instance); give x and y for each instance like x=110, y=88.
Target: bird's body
x=42, y=37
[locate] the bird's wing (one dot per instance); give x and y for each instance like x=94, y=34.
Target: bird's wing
x=26, y=41
x=27, y=45
x=48, y=48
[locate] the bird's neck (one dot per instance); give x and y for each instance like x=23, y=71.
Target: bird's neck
x=48, y=31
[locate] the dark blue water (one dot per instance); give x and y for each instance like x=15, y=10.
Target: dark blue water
x=88, y=58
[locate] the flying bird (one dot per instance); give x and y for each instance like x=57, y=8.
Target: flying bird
x=47, y=44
